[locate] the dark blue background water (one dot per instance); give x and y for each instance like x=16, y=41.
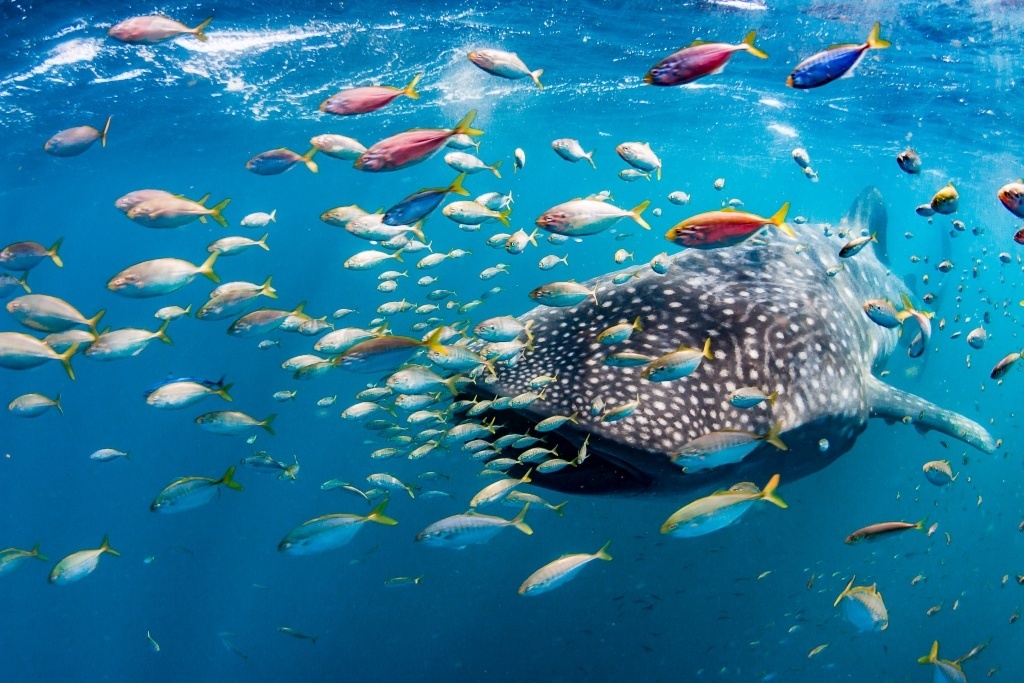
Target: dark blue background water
x=187, y=115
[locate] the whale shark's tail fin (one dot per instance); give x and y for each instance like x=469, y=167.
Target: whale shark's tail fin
x=868, y=213
x=893, y=404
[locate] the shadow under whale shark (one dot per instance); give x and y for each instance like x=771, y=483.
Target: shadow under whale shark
x=776, y=321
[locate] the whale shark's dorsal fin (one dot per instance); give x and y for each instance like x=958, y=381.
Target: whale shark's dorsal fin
x=868, y=213
x=893, y=404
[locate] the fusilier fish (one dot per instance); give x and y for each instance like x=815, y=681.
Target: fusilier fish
x=835, y=62
x=77, y=566
x=945, y=671
x=882, y=312
x=188, y=493
x=33, y=405
x=173, y=212
x=472, y=213
x=493, y=493
x=234, y=301
x=562, y=294
x=230, y=246
x=724, y=447
x=505, y=64
x=21, y=351
x=341, y=215
x=864, y=607
x=854, y=246
x=977, y=337
x=939, y=472
x=570, y=150
x=49, y=314
x=330, y=531
x=182, y=393
x=233, y=423
x=263, y=320
x=172, y=312
x=697, y=60
x=750, y=397
x=678, y=363
x=73, y=141
x=616, y=334
x=277, y=161
x=640, y=156
x=12, y=558
x=155, y=28
x=412, y=147
x=471, y=528
x=469, y=164
x=561, y=571
x=28, y=255
x=588, y=217
x=724, y=228
x=259, y=219
x=363, y=100
x=420, y=204
x=720, y=509
x=160, y=276
x=125, y=342
x=338, y=146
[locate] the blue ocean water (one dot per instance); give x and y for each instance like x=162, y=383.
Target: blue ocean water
x=747, y=603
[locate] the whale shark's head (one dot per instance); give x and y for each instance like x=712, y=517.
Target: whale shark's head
x=780, y=318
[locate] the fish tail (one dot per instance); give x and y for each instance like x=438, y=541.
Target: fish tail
x=188, y=310
x=263, y=242
x=223, y=392
x=932, y=656
x=535, y=76
x=433, y=342
x=494, y=168
x=778, y=219
x=533, y=237
x=105, y=547
x=103, y=135
x=590, y=157
x=558, y=509
x=207, y=267
x=52, y=253
x=24, y=283
x=748, y=45
x=56, y=403
x=161, y=333
x=215, y=212
x=769, y=492
x=638, y=324
x=593, y=293
x=565, y=259
x=273, y=216
x=307, y=159
x=378, y=516
x=38, y=555
x=503, y=217
x=772, y=437
x=706, y=351
x=875, y=41
x=267, y=290
x=228, y=481
x=398, y=255
x=519, y=521
x=602, y=554
x=410, y=90
x=200, y=31
x=266, y=424
x=91, y=322
x=789, y=81
x=920, y=525
x=457, y=187
x=771, y=398
x=636, y=211
x=417, y=229
x=464, y=126
x=65, y=359
x=526, y=477
x=846, y=591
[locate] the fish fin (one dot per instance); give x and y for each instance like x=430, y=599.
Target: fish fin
x=200, y=31
x=263, y=241
x=875, y=41
x=91, y=322
x=38, y=555
x=706, y=351
x=868, y=213
x=771, y=398
x=748, y=45
x=298, y=309
x=266, y=424
x=519, y=521
x=891, y=403
x=772, y=437
x=503, y=217
x=494, y=168
x=267, y=289
x=273, y=216
x=52, y=253
x=65, y=359
x=161, y=333
x=207, y=267
x=697, y=42
x=846, y=591
x=789, y=81
x=103, y=135
x=228, y=481
x=215, y=212
x=526, y=477
x=410, y=90
x=602, y=554
x=533, y=237
x=535, y=76
x=920, y=525
x=557, y=509
x=398, y=255
x=589, y=156
x=201, y=201
x=188, y=310
x=378, y=515
x=105, y=547
x=417, y=229
x=457, y=187
x=307, y=159
x=56, y=403
x=769, y=492
x=433, y=342
x=932, y=656
x=638, y=324
x=464, y=126
x=636, y=211
x=24, y=282
x=223, y=392
x=778, y=219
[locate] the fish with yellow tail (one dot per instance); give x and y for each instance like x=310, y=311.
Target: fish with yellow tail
x=724, y=447
x=412, y=147
x=73, y=141
x=387, y=352
x=699, y=59
x=470, y=528
x=677, y=364
x=945, y=671
x=724, y=228
x=188, y=493
x=864, y=607
x=330, y=531
x=505, y=64
x=580, y=217
x=720, y=509
x=561, y=571
x=277, y=161
x=835, y=62
x=153, y=29
x=77, y=566
x=11, y=558
x=370, y=98
x=873, y=531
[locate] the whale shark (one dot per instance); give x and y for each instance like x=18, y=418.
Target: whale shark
x=777, y=320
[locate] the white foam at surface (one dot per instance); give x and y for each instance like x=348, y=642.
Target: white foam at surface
x=783, y=130
x=68, y=52
x=126, y=76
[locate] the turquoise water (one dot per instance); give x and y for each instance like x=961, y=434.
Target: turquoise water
x=188, y=115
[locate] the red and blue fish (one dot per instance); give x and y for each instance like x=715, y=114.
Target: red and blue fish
x=835, y=62
x=698, y=60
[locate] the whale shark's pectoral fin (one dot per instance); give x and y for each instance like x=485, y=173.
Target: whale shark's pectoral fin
x=868, y=213
x=893, y=404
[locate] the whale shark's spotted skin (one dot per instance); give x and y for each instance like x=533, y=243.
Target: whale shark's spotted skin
x=776, y=322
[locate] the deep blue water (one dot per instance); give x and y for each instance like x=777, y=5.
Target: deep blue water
x=186, y=117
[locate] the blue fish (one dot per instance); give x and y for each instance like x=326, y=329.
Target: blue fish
x=420, y=204
x=833, y=63
x=198, y=380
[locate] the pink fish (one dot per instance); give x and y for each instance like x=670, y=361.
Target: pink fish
x=412, y=146
x=698, y=60
x=155, y=29
x=364, y=100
